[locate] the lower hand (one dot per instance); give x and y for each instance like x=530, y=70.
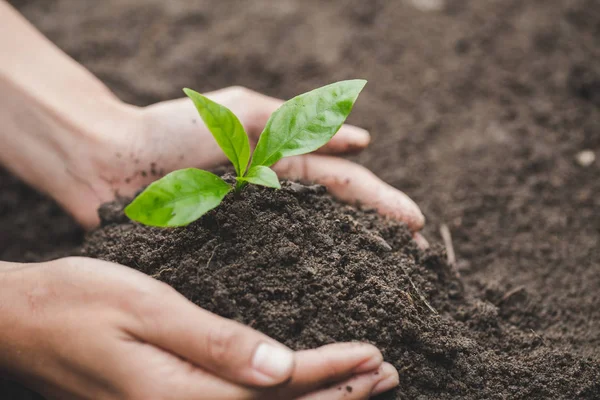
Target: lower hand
x=80, y=328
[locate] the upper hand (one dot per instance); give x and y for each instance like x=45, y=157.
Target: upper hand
x=170, y=135
x=81, y=328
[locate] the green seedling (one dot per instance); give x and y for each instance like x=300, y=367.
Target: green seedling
x=301, y=125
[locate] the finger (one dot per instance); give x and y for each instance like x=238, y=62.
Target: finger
x=328, y=364
x=421, y=241
x=201, y=385
x=352, y=183
x=226, y=348
x=349, y=139
x=361, y=386
x=259, y=108
x=151, y=373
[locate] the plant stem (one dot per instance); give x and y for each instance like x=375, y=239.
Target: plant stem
x=239, y=185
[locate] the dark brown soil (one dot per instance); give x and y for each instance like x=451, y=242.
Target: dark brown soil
x=477, y=111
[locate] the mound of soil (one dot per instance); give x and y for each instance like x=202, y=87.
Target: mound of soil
x=309, y=271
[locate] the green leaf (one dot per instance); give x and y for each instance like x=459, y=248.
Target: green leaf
x=261, y=175
x=306, y=122
x=178, y=198
x=226, y=129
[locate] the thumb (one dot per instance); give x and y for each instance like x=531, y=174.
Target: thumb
x=224, y=347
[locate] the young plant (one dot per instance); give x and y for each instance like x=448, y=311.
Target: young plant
x=301, y=125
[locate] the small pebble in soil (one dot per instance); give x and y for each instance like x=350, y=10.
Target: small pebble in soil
x=428, y=5
x=585, y=158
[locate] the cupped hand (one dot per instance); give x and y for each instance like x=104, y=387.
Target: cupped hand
x=80, y=328
x=170, y=135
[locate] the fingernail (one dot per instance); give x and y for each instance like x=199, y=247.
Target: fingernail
x=389, y=379
x=274, y=363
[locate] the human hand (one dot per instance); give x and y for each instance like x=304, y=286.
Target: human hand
x=66, y=134
x=81, y=328
x=170, y=135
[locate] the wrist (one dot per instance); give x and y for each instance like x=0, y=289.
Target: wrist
x=92, y=152
x=63, y=143
x=95, y=153
x=57, y=119
x=69, y=152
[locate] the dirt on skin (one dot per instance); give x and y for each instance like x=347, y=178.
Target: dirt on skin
x=478, y=110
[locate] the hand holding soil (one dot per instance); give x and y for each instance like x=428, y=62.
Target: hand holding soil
x=99, y=330
x=174, y=133
x=87, y=146
x=169, y=135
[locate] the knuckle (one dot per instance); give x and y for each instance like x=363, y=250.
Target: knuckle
x=247, y=108
x=221, y=342
x=328, y=367
x=240, y=92
x=164, y=289
x=295, y=168
x=146, y=302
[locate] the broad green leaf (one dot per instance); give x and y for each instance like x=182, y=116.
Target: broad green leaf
x=178, y=198
x=306, y=122
x=261, y=175
x=226, y=129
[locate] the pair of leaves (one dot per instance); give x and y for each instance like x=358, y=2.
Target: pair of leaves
x=183, y=196
x=233, y=140
x=301, y=125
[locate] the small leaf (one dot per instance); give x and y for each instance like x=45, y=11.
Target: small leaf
x=306, y=122
x=226, y=129
x=178, y=198
x=261, y=175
